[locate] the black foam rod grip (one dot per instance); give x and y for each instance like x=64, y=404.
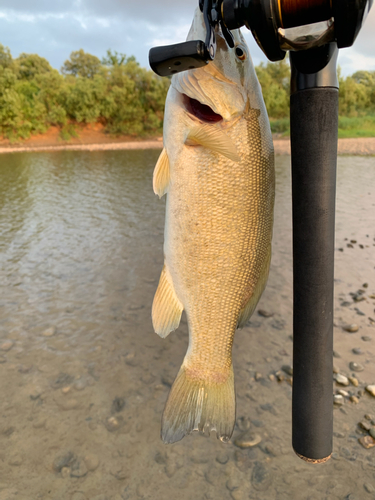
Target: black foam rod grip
x=314, y=122
x=171, y=59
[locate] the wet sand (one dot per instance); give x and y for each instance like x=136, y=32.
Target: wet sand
x=357, y=146
x=84, y=378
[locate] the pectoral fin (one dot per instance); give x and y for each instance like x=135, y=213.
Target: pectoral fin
x=213, y=138
x=161, y=174
x=166, y=308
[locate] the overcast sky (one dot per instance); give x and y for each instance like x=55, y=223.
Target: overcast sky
x=53, y=29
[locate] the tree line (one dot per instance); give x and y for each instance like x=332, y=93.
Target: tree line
x=126, y=98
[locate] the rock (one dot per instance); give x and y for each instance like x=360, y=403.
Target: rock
x=233, y=483
x=49, y=332
x=80, y=385
x=357, y=350
x=336, y=354
x=366, y=338
x=353, y=381
x=40, y=423
x=63, y=459
x=338, y=399
x=368, y=416
x=130, y=359
x=280, y=376
x=260, y=478
x=369, y=488
x=356, y=367
x=119, y=473
x=65, y=390
x=351, y=328
x=354, y=399
x=91, y=461
x=367, y=441
x=222, y=458
x=335, y=369
x=343, y=393
x=112, y=424
x=247, y=440
x=243, y=423
x=78, y=469
x=65, y=472
x=371, y=389
x=272, y=377
x=365, y=425
x=118, y=404
x=342, y=380
x=265, y=314
x=372, y=432
x=258, y=376
x=287, y=369
x=6, y=345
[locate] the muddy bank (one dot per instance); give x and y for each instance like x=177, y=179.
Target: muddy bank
x=101, y=142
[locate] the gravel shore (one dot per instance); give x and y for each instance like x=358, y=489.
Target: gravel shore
x=356, y=146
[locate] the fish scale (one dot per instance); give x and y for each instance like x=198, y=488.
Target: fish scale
x=219, y=179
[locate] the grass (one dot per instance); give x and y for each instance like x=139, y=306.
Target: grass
x=356, y=126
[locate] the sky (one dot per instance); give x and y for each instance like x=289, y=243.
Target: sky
x=53, y=29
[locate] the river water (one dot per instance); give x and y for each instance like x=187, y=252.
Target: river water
x=84, y=378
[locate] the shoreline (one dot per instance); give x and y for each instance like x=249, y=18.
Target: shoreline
x=353, y=146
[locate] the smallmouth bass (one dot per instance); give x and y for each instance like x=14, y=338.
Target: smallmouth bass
x=217, y=168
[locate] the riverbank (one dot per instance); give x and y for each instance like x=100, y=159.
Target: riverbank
x=93, y=139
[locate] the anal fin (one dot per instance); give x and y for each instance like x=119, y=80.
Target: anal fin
x=166, y=308
x=161, y=175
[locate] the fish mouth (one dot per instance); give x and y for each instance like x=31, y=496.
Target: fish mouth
x=201, y=111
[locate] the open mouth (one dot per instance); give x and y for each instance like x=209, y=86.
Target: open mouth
x=201, y=111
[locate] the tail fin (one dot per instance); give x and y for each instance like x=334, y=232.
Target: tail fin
x=197, y=404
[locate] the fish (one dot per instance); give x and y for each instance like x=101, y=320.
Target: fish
x=217, y=169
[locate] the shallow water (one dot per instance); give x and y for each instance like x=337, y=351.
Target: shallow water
x=84, y=378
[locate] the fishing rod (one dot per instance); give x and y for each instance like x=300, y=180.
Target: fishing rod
x=313, y=31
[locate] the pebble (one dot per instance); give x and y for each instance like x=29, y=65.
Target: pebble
x=366, y=338
x=335, y=369
x=80, y=384
x=247, y=440
x=342, y=380
x=336, y=354
x=78, y=469
x=65, y=390
x=338, y=399
x=260, y=477
x=6, y=345
x=65, y=472
x=353, y=381
x=49, y=332
x=356, y=367
x=233, y=483
x=118, y=404
x=369, y=488
x=258, y=376
x=63, y=459
x=354, y=399
x=272, y=377
x=112, y=424
x=357, y=350
x=280, y=376
x=351, y=328
x=367, y=441
x=371, y=390
x=130, y=359
x=91, y=461
x=372, y=432
x=222, y=458
x=265, y=314
x=119, y=473
x=287, y=369
x=343, y=393
x=40, y=423
x=365, y=424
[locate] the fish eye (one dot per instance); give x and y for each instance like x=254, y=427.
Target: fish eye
x=240, y=53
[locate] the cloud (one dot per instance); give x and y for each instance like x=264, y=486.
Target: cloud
x=55, y=29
